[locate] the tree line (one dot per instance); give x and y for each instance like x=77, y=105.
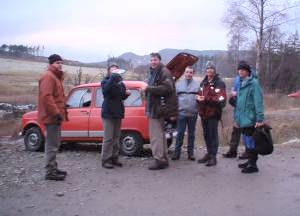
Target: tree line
x=21, y=50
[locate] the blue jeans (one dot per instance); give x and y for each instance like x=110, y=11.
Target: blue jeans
x=249, y=142
x=182, y=122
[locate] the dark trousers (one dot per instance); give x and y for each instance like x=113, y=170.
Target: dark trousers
x=182, y=122
x=235, y=139
x=211, y=137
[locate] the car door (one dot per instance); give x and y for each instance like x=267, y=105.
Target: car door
x=135, y=119
x=95, y=123
x=78, y=107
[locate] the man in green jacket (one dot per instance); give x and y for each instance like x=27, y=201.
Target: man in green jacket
x=249, y=113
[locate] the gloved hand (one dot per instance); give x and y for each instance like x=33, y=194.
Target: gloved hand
x=58, y=119
x=116, y=77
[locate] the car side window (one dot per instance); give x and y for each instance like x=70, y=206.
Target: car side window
x=99, y=97
x=134, y=99
x=80, y=98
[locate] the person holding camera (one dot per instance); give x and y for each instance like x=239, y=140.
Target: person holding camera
x=114, y=93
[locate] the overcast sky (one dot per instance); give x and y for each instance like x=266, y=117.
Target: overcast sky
x=90, y=30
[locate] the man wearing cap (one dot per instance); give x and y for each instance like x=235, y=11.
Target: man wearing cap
x=51, y=113
x=212, y=99
x=249, y=113
x=114, y=93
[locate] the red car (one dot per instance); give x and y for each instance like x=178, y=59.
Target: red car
x=295, y=94
x=85, y=125
x=84, y=111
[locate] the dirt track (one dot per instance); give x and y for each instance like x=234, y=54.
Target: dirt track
x=186, y=188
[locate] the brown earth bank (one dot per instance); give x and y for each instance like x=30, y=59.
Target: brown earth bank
x=186, y=188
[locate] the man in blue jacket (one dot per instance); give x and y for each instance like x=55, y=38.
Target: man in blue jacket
x=114, y=92
x=249, y=113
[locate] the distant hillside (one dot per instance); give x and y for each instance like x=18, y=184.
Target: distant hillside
x=167, y=55
x=136, y=60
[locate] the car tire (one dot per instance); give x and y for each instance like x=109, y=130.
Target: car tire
x=131, y=144
x=34, y=139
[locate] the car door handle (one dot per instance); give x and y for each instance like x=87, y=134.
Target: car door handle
x=84, y=111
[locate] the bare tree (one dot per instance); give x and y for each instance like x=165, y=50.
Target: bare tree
x=78, y=77
x=261, y=17
x=237, y=32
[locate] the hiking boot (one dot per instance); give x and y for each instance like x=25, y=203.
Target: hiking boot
x=107, y=165
x=250, y=169
x=191, y=157
x=116, y=162
x=158, y=165
x=212, y=161
x=230, y=154
x=204, y=159
x=243, y=165
x=54, y=176
x=61, y=172
x=244, y=156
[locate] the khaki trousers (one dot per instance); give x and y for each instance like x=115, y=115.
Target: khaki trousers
x=111, y=140
x=53, y=134
x=158, y=140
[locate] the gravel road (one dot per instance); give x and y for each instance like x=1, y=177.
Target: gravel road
x=186, y=188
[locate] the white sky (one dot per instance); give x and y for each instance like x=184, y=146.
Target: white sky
x=90, y=30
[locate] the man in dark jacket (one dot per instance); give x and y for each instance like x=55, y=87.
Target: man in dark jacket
x=52, y=112
x=161, y=104
x=114, y=92
x=212, y=98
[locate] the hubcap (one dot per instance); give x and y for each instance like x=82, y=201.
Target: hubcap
x=128, y=143
x=33, y=139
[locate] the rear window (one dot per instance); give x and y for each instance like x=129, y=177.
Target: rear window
x=134, y=100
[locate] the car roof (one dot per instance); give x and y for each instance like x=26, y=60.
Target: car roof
x=132, y=84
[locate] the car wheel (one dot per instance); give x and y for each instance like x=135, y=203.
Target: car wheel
x=131, y=144
x=34, y=140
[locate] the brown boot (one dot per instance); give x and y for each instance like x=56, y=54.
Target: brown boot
x=204, y=159
x=158, y=165
x=107, y=165
x=116, y=162
x=212, y=161
x=191, y=157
